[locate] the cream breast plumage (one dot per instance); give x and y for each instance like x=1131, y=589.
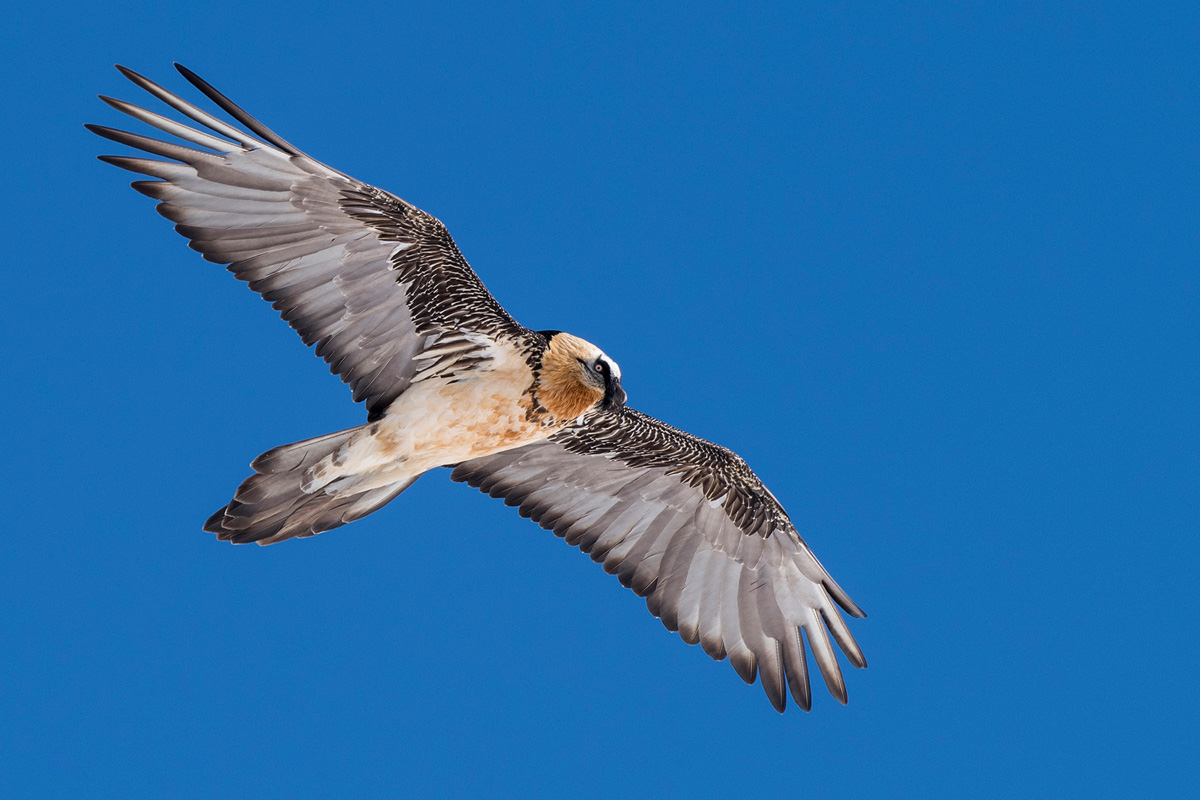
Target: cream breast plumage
x=449, y=379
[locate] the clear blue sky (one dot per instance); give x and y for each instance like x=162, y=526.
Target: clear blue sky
x=932, y=269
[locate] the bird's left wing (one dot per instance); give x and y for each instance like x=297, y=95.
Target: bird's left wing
x=374, y=282
x=686, y=524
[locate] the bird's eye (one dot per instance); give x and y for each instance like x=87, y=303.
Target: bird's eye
x=599, y=367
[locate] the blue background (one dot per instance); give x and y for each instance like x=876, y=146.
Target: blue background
x=931, y=268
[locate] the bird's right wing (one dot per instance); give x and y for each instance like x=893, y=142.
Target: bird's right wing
x=374, y=282
x=686, y=524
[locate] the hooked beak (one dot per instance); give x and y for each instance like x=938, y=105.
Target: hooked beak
x=614, y=395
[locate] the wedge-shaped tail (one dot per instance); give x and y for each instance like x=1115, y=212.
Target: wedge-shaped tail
x=272, y=505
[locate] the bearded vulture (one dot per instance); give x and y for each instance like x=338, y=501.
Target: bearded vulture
x=449, y=379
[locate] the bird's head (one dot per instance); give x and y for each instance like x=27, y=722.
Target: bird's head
x=576, y=376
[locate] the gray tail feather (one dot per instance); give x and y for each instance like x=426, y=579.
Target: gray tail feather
x=270, y=506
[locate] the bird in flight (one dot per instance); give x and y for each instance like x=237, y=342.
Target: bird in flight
x=449, y=379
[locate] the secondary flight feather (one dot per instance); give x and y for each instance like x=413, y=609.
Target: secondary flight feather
x=449, y=379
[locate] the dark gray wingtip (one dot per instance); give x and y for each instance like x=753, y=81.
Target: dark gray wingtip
x=131, y=75
x=129, y=163
x=837, y=687
x=142, y=82
x=840, y=597
x=234, y=110
x=774, y=684
x=744, y=664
